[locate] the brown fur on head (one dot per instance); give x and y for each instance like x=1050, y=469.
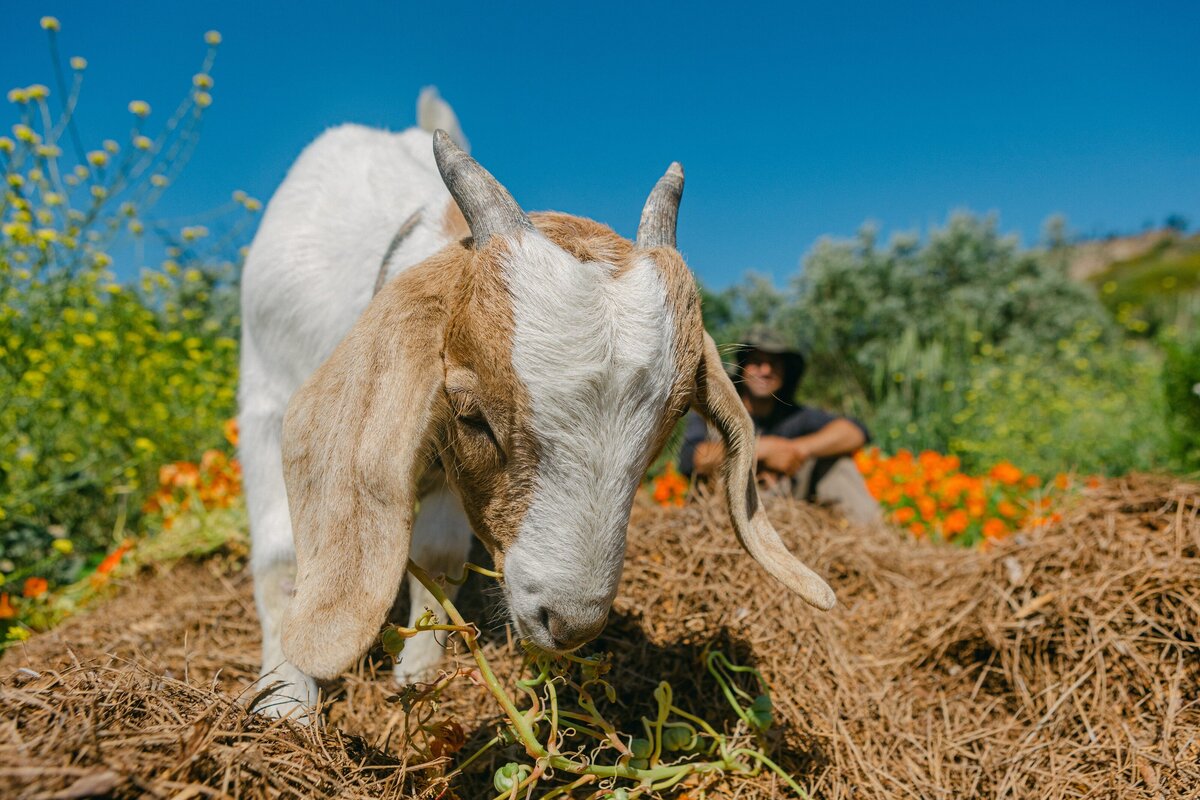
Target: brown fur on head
x=545, y=440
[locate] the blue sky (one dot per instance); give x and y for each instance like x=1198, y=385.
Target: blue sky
x=792, y=121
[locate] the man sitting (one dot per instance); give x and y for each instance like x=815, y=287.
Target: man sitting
x=800, y=450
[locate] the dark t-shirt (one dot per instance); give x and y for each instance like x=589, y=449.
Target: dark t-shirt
x=786, y=421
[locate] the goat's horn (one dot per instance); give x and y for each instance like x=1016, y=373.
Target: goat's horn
x=657, y=228
x=486, y=205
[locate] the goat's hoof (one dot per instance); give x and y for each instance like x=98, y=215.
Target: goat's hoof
x=274, y=695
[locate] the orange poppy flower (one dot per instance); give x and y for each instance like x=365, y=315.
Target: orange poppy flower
x=1006, y=473
x=6, y=609
x=927, y=506
x=35, y=587
x=994, y=528
x=111, y=560
x=904, y=515
x=231, y=431
x=956, y=522
x=670, y=488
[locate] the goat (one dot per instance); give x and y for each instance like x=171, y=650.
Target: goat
x=516, y=376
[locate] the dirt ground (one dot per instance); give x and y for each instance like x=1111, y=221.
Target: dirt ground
x=1064, y=663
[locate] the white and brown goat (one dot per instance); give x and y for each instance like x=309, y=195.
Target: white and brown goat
x=517, y=375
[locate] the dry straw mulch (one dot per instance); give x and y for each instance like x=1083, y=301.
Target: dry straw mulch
x=1062, y=664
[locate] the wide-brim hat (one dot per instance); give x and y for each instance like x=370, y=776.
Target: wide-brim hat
x=767, y=340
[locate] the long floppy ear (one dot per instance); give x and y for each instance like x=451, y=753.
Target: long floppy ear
x=356, y=438
x=718, y=402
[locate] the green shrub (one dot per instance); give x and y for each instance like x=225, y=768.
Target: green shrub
x=1181, y=386
x=1091, y=407
x=855, y=300
x=102, y=382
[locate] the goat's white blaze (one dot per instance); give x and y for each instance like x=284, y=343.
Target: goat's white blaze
x=596, y=354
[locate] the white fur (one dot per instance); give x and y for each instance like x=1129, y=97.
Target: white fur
x=596, y=354
x=308, y=276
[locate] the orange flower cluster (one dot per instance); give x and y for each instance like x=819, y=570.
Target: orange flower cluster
x=213, y=483
x=670, y=488
x=929, y=495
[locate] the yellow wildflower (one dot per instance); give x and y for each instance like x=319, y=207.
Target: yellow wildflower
x=252, y=204
x=139, y=108
x=142, y=142
x=49, y=151
x=203, y=99
x=97, y=158
x=50, y=24
x=212, y=38
x=63, y=546
x=99, y=192
x=24, y=133
x=158, y=180
x=202, y=80
x=37, y=92
x=78, y=63
x=6, y=144
x=111, y=146
x=17, y=96
x=18, y=634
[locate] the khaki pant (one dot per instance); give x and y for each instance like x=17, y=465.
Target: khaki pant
x=842, y=487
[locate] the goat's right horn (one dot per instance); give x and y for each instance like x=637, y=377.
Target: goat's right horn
x=486, y=205
x=659, y=215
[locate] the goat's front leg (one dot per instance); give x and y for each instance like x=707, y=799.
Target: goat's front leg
x=273, y=565
x=441, y=544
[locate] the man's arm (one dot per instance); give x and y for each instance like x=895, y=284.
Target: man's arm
x=838, y=437
x=784, y=454
x=807, y=434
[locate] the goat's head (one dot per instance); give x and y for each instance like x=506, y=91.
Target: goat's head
x=543, y=362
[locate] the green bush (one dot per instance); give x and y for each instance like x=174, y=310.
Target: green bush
x=968, y=344
x=1181, y=386
x=102, y=382
x=855, y=300
x=1090, y=407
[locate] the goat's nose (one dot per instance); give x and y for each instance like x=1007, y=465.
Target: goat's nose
x=569, y=630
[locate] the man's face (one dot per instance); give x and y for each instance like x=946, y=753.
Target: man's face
x=762, y=374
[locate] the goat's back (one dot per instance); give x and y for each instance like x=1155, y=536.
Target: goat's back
x=313, y=263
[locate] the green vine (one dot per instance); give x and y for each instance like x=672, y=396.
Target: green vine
x=564, y=733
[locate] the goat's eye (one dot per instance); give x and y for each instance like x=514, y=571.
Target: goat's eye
x=476, y=424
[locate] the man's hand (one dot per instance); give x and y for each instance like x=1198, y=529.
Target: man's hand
x=781, y=455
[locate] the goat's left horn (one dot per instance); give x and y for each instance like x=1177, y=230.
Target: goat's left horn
x=657, y=228
x=486, y=205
